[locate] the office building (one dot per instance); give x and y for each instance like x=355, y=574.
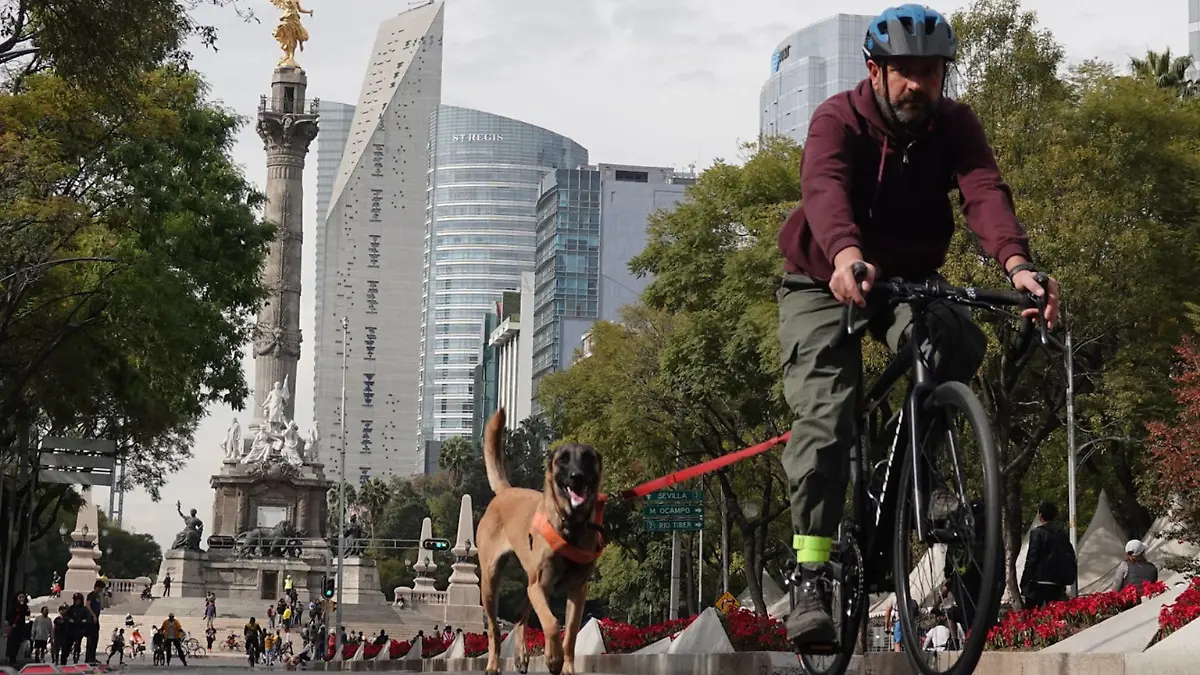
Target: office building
x=373, y=242
x=514, y=353
x=336, y=119
x=591, y=223
x=485, y=378
x=808, y=67
x=480, y=219
x=1194, y=38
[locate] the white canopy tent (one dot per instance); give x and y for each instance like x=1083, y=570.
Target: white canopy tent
x=1101, y=550
x=1161, y=547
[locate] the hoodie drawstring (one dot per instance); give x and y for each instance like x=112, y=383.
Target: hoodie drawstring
x=879, y=177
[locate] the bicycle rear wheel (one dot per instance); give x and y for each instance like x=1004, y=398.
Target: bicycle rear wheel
x=849, y=605
x=958, y=569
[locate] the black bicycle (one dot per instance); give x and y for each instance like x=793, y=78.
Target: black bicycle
x=927, y=492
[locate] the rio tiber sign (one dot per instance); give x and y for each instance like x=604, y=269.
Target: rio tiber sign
x=459, y=138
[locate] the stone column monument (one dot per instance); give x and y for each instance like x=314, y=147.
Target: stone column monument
x=82, y=568
x=287, y=126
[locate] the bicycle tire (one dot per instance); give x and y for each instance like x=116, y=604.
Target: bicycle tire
x=960, y=398
x=853, y=606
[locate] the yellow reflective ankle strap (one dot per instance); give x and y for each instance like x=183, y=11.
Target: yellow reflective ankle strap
x=812, y=549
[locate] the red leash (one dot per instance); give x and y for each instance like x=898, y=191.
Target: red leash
x=702, y=468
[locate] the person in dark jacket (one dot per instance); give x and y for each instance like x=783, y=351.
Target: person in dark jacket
x=79, y=621
x=60, y=639
x=1041, y=581
x=17, y=628
x=878, y=165
x=95, y=604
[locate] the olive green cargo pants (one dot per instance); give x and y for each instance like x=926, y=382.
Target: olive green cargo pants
x=819, y=385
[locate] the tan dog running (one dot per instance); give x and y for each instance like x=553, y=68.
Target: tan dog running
x=556, y=536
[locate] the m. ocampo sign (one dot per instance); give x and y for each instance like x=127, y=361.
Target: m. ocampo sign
x=461, y=138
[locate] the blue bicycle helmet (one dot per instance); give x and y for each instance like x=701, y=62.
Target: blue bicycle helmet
x=910, y=30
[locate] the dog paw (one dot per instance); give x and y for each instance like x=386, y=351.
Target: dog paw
x=554, y=665
x=523, y=665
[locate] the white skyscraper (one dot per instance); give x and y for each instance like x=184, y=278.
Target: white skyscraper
x=373, y=254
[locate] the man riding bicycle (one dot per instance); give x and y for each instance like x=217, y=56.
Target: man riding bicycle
x=878, y=165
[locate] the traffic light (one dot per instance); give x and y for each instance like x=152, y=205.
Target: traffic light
x=327, y=587
x=436, y=544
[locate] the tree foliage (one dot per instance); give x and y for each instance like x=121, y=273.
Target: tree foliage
x=1104, y=170
x=1172, y=483
x=1165, y=71
x=132, y=242
x=104, y=44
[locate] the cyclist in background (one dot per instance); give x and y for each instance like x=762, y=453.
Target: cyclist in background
x=878, y=165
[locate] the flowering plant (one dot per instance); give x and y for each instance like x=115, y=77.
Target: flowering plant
x=1042, y=627
x=1178, y=614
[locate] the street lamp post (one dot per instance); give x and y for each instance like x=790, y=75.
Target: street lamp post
x=341, y=549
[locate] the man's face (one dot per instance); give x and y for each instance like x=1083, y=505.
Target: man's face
x=913, y=85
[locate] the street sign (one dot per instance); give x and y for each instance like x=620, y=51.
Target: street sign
x=77, y=461
x=675, y=525
x=727, y=603
x=676, y=496
x=656, y=511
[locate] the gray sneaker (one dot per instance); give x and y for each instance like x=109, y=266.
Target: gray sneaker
x=810, y=624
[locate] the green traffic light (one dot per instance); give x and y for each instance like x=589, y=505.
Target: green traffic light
x=436, y=544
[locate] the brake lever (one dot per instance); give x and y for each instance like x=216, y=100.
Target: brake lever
x=1040, y=302
x=846, y=327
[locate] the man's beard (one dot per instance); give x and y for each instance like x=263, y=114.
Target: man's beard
x=911, y=112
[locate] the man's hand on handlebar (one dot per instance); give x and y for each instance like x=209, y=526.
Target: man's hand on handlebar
x=1028, y=281
x=849, y=283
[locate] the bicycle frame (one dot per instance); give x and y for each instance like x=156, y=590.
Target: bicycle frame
x=912, y=359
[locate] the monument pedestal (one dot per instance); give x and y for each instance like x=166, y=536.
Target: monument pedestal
x=360, y=582
x=187, y=574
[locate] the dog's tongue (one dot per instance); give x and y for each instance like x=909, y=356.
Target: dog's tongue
x=576, y=499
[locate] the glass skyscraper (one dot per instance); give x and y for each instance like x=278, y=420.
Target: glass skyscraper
x=808, y=67
x=336, y=119
x=480, y=219
x=591, y=223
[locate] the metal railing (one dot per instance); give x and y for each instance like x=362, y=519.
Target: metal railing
x=295, y=106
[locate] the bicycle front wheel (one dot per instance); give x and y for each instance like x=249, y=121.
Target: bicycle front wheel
x=956, y=571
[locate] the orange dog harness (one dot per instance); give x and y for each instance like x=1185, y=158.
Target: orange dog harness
x=541, y=526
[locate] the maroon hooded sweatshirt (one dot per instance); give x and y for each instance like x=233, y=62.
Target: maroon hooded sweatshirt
x=862, y=187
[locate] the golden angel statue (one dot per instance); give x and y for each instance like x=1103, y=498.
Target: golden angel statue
x=290, y=33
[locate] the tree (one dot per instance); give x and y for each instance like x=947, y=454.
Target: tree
x=1164, y=70
x=127, y=555
x=102, y=43
x=693, y=373
x=453, y=457
x=1102, y=168
x=1172, y=483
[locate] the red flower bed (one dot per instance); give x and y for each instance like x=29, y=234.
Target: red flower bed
x=1039, y=628
x=1181, y=612
x=750, y=632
